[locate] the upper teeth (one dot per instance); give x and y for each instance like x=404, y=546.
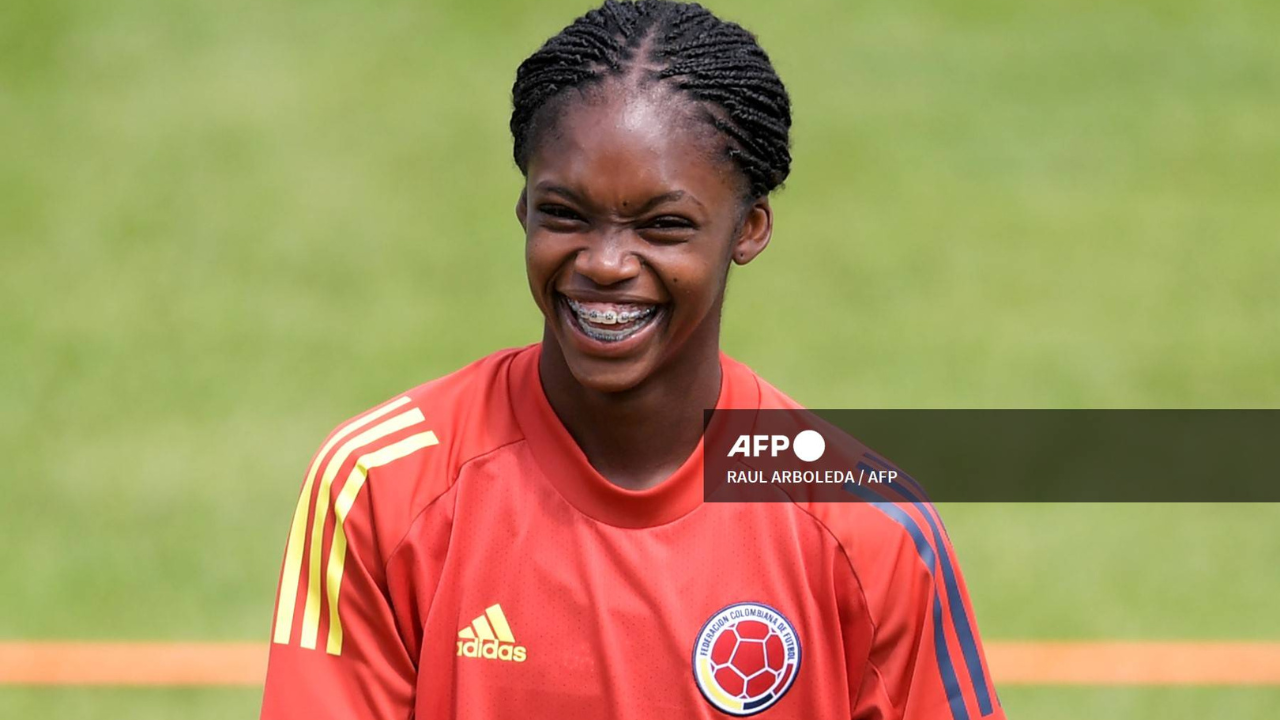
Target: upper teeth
x=610, y=317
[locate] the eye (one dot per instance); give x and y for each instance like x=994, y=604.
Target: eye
x=559, y=212
x=668, y=222
x=668, y=229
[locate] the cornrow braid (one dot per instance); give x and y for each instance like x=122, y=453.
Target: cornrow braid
x=714, y=62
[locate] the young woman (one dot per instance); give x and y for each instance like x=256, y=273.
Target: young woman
x=527, y=537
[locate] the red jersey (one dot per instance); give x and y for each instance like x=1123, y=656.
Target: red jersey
x=455, y=555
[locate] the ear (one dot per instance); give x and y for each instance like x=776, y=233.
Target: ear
x=522, y=208
x=753, y=235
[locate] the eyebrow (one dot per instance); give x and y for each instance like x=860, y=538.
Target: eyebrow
x=648, y=204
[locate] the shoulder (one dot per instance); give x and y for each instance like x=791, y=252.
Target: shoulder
x=892, y=535
x=470, y=408
x=417, y=441
x=882, y=532
x=747, y=390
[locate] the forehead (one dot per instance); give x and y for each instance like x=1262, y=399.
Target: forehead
x=616, y=145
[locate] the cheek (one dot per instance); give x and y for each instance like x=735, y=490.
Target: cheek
x=694, y=279
x=540, y=262
x=543, y=255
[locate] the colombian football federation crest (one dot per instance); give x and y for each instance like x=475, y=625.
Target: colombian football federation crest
x=745, y=658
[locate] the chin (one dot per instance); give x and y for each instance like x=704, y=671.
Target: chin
x=607, y=376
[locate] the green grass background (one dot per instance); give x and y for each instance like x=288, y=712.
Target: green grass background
x=225, y=226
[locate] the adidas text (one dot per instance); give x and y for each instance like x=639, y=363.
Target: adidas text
x=491, y=650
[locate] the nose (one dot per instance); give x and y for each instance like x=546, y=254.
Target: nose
x=608, y=260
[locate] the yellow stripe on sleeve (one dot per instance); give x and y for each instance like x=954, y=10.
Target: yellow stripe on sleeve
x=311, y=614
x=342, y=508
x=297, y=531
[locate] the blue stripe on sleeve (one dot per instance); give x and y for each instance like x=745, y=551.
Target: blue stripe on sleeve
x=959, y=618
x=905, y=478
x=955, y=696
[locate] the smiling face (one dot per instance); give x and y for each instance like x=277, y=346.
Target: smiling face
x=632, y=213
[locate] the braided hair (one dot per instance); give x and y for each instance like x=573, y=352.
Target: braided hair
x=716, y=63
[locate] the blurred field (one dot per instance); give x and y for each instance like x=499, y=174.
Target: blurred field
x=225, y=227
x=1041, y=704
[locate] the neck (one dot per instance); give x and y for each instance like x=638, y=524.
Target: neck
x=638, y=437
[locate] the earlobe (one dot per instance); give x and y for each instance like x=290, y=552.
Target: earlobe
x=753, y=237
x=522, y=209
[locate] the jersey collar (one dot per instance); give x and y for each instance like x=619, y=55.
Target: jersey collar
x=568, y=469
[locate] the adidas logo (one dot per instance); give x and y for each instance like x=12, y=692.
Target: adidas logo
x=489, y=637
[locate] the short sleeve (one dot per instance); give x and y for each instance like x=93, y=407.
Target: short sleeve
x=926, y=660
x=345, y=636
